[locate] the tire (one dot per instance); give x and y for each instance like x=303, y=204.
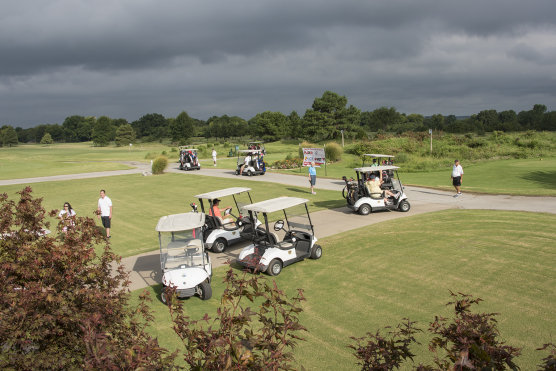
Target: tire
x=204, y=290
x=274, y=268
x=163, y=297
x=219, y=245
x=404, y=206
x=365, y=209
x=249, y=173
x=316, y=252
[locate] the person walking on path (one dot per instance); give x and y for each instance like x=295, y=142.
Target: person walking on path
x=457, y=177
x=312, y=177
x=104, y=211
x=214, y=156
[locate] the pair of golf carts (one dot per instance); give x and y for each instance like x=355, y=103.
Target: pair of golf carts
x=360, y=199
x=250, y=162
x=186, y=264
x=188, y=158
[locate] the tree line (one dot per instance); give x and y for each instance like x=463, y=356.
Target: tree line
x=329, y=117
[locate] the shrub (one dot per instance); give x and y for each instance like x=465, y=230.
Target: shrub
x=257, y=327
x=159, y=165
x=150, y=156
x=333, y=151
x=291, y=163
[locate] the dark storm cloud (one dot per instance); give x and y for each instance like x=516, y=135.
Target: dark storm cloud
x=128, y=58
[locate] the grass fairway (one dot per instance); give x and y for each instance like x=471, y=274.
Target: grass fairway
x=375, y=276
x=140, y=201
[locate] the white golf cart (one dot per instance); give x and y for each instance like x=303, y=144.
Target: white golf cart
x=361, y=200
x=268, y=253
x=256, y=145
x=188, y=158
x=218, y=234
x=377, y=159
x=184, y=262
x=253, y=161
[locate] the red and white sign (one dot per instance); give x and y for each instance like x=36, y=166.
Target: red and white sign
x=315, y=155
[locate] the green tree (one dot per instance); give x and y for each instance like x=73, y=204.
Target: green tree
x=152, y=126
x=295, y=127
x=102, y=131
x=269, y=126
x=8, y=136
x=62, y=305
x=328, y=116
x=47, y=139
x=125, y=135
x=181, y=128
x=382, y=118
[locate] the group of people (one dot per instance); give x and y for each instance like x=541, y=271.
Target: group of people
x=189, y=157
x=104, y=212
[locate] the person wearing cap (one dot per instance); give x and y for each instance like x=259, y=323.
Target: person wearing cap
x=215, y=211
x=373, y=185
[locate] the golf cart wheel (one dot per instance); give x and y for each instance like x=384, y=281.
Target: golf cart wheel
x=249, y=173
x=181, y=167
x=365, y=209
x=204, y=290
x=316, y=251
x=163, y=296
x=274, y=268
x=219, y=245
x=237, y=172
x=404, y=206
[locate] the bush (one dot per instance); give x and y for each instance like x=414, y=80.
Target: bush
x=150, y=156
x=291, y=163
x=333, y=152
x=159, y=165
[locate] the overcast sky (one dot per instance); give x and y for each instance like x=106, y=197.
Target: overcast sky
x=128, y=58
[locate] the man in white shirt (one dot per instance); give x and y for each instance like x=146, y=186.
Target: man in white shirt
x=457, y=177
x=214, y=156
x=105, y=211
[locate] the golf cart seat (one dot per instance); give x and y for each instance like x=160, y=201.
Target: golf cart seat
x=376, y=196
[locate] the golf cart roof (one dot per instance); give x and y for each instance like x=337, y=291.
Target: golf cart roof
x=250, y=151
x=276, y=204
x=256, y=142
x=378, y=155
x=368, y=169
x=180, y=222
x=222, y=193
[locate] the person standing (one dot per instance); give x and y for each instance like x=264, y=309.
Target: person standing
x=313, y=177
x=214, y=156
x=67, y=215
x=105, y=211
x=457, y=177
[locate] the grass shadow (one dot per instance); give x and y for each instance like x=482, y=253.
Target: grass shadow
x=543, y=178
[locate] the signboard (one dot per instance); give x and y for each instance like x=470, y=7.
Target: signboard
x=315, y=155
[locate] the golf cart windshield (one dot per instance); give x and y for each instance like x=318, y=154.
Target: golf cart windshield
x=181, y=240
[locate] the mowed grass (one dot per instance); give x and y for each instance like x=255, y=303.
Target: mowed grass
x=139, y=201
x=375, y=276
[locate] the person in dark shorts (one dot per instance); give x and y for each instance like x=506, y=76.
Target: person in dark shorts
x=457, y=177
x=104, y=211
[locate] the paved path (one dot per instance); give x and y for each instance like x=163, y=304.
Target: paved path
x=145, y=268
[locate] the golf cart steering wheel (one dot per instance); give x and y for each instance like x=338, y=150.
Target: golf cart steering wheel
x=279, y=225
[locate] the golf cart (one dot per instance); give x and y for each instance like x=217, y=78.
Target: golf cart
x=255, y=164
x=184, y=262
x=219, y=235
x=188, y=158
x=361, y=200
x=268, y=253
x=377, y=159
